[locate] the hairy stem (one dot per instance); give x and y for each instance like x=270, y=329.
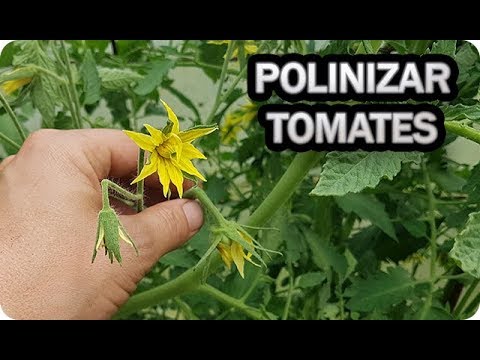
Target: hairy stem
x=192, y=278
x=9, y=141
x=141, y=183
x=71, y=86
x=433, y=239
x=217, y=102
x=14, y=118
x=463, y=130
x=231, y=302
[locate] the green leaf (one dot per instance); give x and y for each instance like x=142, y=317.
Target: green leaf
x=415, y=227
x=446, y=47
x=325, y=256
x=462, y=112
x=466, y=250
x=399, y=45
x=351, y=172
x=472, y=187
x=311, y=279
x=180, y=257
x=8, y=52
x=212, y=54
x=368, y=207
x=43, y=98
x=91, y=79
x=380, y=291
x=216, y=188
x=117, y=79
x=154, y=77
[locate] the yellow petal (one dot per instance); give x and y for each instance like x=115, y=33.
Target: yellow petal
x=163, y=175
x=225, y=254
x=172, y=117
x=192, y=134
x=100, y=239
x=175, y=175
x=237, y=253
x=148, y=169
x=157, y=135
x=143, y=141
x=250, y=48
x=11, y=86
x=187, y=166
x=191, y=152
x=235, y=53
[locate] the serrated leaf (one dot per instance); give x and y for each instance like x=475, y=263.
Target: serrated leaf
x=446, y=47
x=154, y=77
x=43, y=100
x=117, y=79
x=351, y=172
x=325, y=256
x=91, y=79
x=466, y=250
x=7, y=55
x=415, y=227
x=380, y=291
x=311, y=279
x=472, y=187
x=368, y=207
x=462, y=112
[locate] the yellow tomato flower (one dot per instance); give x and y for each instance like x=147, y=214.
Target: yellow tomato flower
x=236, y=254
x=236, y=121
x=171, y=152
x=9, y=87
x=249, y=46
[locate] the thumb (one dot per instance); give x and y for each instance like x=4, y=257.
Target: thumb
x=158, y=230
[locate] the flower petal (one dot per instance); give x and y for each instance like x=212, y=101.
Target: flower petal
x=172, y=117
x=191, y=152
x=11, y=86
x=225, y=254
x=187, y=166
x=163, y=175
x=250, y=48
x=149, y=168
x=157, y=135
x=143, y=141
x=195, y=133
x=175, y=175
x=237, y=253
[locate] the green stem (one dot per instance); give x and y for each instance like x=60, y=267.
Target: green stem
x=120, y=190
x=242, y=60
x=463, y=302
x=192, y=278
x=431, y=218
x=286, y=186
x=217, y=102
x=49, y=73
x=14, y=118
x=9, y=141
x=208, y=205
x=433, y=239
x=105, y=197
x=71, y=85
x=463, y=130
x=140, y=184
x=186, y=282
x=231, y=302
x=286, y=310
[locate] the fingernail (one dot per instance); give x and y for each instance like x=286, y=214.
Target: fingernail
x=194, y=214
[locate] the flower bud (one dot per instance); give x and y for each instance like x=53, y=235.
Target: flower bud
x=109, y=232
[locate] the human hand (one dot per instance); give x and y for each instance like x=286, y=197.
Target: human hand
x=50, y=197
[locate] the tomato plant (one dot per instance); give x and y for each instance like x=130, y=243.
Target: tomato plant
x=337, y=235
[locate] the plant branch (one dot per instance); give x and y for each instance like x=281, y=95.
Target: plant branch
x=71, y=86
x=463, y=130
x=14, y=118
x=9, y=141
x=192, y=278
x=463, y=302
x=227, y=300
